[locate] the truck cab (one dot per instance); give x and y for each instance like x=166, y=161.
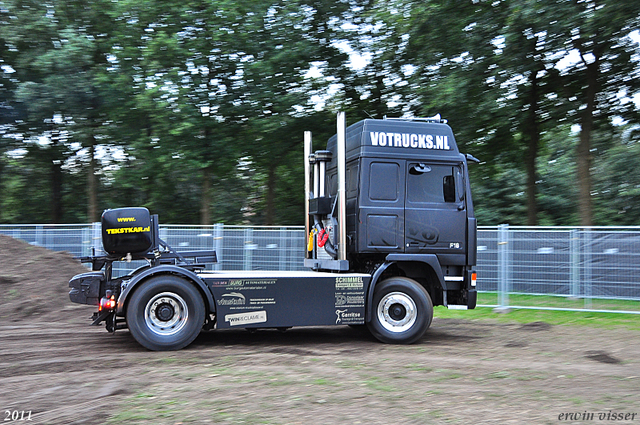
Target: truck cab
x=407, y=202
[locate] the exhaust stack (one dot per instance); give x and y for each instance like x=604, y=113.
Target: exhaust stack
x=308, y=145
x=342, y=185
x=321, y=208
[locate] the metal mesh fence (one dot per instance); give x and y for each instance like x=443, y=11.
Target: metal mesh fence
x=241, y=247
x=561, y=268
x=529, y=267
x=75, y=239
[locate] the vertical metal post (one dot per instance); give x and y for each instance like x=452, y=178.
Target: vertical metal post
x=248, y=252
x=587, y=267
x=218, y=231
x=49, y=238
x=321, y=178
x=96, y=238
x=342, y=191
x=85, y=249
x=164, y=232
x=39, y=238
x=283, y=249
x=574, y=247
x=503, y=265
x=316, y=179
x=308, y=145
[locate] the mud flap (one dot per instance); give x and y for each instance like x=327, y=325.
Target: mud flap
x=472, y=299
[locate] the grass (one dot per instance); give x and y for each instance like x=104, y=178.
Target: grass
x=491, y=298
x=554, y=317
x=13, y=293
x=380, y=384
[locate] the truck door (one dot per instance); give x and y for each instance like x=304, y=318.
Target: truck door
x=382, y=203
x=435, y=211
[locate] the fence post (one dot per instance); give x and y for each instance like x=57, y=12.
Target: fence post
x=587, y=268
x=503, y=266
x=85, y=249
x=39, y=241
x=283, y=248
x=574, y=247
x=247, y=249
x=218, y=232
x=96, y=238
x=164, y=233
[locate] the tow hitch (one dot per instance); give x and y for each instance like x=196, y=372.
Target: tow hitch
x=106, y=312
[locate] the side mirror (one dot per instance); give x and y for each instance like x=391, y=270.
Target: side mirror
x=459, y=184
x=472, y=158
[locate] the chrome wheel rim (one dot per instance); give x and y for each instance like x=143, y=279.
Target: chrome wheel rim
x=166, y=313
x=397, y=312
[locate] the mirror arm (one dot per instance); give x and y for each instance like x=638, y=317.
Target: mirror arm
x=472, y=158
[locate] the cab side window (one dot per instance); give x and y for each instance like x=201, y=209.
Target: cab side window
x=431, y=183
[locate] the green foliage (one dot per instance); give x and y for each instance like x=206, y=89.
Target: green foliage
x=503, y=75
x=617, y=179
x=498, y=196
x=197, y=109
x=556, y=188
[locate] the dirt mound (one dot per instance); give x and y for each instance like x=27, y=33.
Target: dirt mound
x=34, y=281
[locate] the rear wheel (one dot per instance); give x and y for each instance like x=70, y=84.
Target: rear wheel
x=402, y=311
x=165, y=313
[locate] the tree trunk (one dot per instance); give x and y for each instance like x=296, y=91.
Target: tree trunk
x=271, y=191
x=583, y=150
x=532, y=150
x=205, y=197
x=56, y=179
x=92, y=185
x=583, y=165
x=56, y=191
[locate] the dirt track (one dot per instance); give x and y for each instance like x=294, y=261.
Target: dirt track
x=63, y=371
x=460, y=372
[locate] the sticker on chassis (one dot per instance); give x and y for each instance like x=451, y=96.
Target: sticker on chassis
x=284, y=299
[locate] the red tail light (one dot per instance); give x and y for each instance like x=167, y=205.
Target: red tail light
x=107, y=303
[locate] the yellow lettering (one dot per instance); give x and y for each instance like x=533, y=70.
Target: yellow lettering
x=126, y=219
x=128, y=230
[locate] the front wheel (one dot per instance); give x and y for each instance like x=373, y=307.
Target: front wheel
x=165, y=313
x=402, y=311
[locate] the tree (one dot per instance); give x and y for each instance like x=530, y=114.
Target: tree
x=597, y=34
x=196, y=109
x=617, y=178
x=59, y=50
x=500, y=71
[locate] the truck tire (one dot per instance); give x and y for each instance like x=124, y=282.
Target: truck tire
x=165, y=313
x=402, y=311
